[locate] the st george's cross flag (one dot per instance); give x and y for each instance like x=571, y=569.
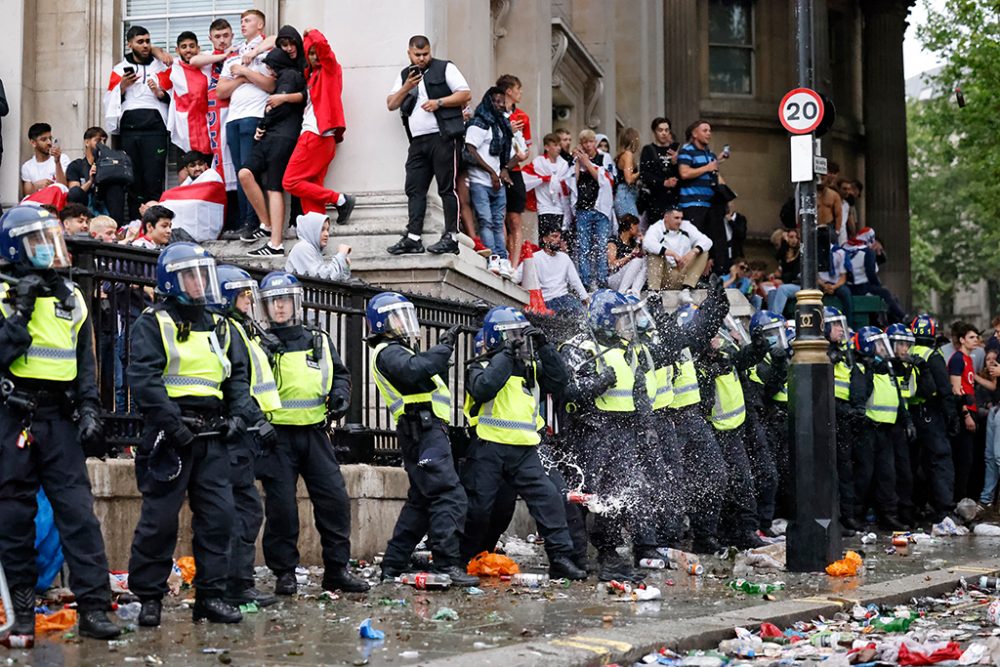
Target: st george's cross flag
x=199, y=206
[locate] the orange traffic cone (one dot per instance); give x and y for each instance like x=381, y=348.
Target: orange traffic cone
x=529, y=281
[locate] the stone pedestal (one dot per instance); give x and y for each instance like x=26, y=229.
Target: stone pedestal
x=887, y=190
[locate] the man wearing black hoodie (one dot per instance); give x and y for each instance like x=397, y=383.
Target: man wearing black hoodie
x=277, y=133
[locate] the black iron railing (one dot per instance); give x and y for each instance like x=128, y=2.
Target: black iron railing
x=119, y=281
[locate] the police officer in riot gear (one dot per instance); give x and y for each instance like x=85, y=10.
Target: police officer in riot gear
x=315, y=390
x=48, y=375
x=413, y=387
x=904, y=433
x=241, y=304
x=506, y=407
x=934, y=409
x=189, y=378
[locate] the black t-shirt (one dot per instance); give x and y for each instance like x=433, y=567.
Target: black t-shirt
x=78, y=170
x=790, y=270
x=655, y=167
x=621, y=247
x=587, y=188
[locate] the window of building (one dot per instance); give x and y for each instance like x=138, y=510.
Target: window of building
x=730, y=47
x=165, y=19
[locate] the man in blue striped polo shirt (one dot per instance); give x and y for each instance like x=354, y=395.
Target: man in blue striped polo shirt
x=699, y=172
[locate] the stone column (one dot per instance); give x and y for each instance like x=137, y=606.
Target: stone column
x=886, y=193
x=682, y=43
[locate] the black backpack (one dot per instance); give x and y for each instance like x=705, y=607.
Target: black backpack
x=113, y=167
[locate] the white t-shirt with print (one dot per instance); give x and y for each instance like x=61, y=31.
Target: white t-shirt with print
x=247, y=101
x=33, y=170
x=425, y=122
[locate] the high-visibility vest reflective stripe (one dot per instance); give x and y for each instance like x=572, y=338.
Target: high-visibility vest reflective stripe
x=54, y=332
x=304, y=383
x=686, y=390
x=908, y=384
x=618, y=398
x=512, y=417
x=196, y=366
x=883, y=404
x=470, y=418
x=263, y=388
x=659, y=381
x=729, y=410
x=924, y=353
x=439, y=398
x=782, y=394
x=842, y=381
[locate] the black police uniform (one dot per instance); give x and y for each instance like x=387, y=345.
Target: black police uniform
x=436, y=502
x=306, y=451
x=204, y=476
x=935, y=415
x=772, y=372
x=54, y=459
x=850, y=418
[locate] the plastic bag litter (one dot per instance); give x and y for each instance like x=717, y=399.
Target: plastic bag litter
x=119, y=581
x=967, y=509
x=186, y=565
x=987, y=530
x=515, y=546
x=948, y=528
x=771, y=557
x=930, y=654
x=645, y=594
x=366, y=631
x=847, y=566
x=993, y=612
x=779, y=526
x=487, y=564
x=445, y=614
x=64, y=619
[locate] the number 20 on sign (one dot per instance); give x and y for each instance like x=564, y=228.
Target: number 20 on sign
x=801, y=111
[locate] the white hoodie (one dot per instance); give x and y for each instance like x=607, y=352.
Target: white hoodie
x=306, y=257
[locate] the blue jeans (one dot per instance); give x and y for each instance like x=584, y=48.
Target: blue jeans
x=777, y=299
x=567, y=303
x=490, y=206
x=592, y=231
x=992, y=456
x=239, y=138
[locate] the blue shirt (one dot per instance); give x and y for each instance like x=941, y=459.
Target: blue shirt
x=696, y=191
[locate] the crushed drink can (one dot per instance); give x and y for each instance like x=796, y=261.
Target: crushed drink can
x=620, y=586
x=695, y=569
x=900, y=540
x=652, y=563
x=579, y=497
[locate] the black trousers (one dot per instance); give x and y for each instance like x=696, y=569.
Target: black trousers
x=303, y=451
x=492, y=465
x=705, y=474
x=662, y=459
x=710, y=221
x=763, y=468
x=874, y=470
x=205, y=481
x=54, y=462
x=148, y=151
x=934, y=472
x=963, y=447
x=739, y=510
x=905, y=505
x=249, y=514
x=846, y=435
x=436, y=502
x=431, y=156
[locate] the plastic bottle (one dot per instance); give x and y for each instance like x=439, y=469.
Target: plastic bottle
x=425, y=580
x=18, y=641
x=989, y=583
x=652, y=563
x=894, y=623
x=129, y=612
x=754, y=588
x=679, y=560
x=421, y=559
x=529, y=579
x=831, y=639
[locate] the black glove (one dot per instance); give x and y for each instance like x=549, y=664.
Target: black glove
x=234, y=428
x=448, y=337
x=859, y=412
x=181, y=436
x=28, y=289
x=911, y=432
x=537, y=335
x=779, y=354
x=513, y=345
x=607, y=378
x=92, y=433
x=266, y=434
x=715, y=286
x=339, y=406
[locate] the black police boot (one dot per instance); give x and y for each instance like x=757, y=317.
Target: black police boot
x=286, y=584
x=706, y=544
x=750, y=540
x=562, y=567
x=849, y=523
x=890, y=522
x=340, y=579
x=215, y=610
x=250, y=595
x=447, y=244
x=22, y=633
x=96, y=624
x=390, y=573
x=149, y=615
x=615, y=568
x=847, y=532
x=459, y=577
x=406, y=246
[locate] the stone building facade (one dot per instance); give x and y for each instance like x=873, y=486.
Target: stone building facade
x=584, y=63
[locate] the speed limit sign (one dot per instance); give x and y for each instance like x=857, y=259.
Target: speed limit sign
x=801, y=111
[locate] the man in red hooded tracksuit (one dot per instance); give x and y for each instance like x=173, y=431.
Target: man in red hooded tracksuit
x=322, y=130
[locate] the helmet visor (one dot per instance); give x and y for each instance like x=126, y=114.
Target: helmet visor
x=774, y=334
x=246, y=300
x=881, y=346
x=43, y=245
x=736, y=331
x=197, y=280
x=401, y=321
x=511, y=331
x=836, y=328
x=625, y=321
x=283, y=306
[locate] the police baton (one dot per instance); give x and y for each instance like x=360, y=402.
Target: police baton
x=197, y=423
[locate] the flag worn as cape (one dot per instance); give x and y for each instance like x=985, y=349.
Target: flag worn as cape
x=199, y=206
x=187, y=119
x=50, y=195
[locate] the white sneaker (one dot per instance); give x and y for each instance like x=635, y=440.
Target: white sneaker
x=685, y=296
x=493, y=264
x=506, y=270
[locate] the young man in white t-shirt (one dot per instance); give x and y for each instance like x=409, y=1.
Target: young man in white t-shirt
x=247, y=87
x=48, y=165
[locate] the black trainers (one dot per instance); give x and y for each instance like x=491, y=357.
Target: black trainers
x=215, y=610
x=447, y=244
x=339, y=579
x=22, y=633
x=267, y=251
x=251, y=234
x=96, y=624
x=149, y=615
x=563, y=568
x=250, y=595
x=406, y=246
x=286, y=584
x=344, y=210
x=750, y=541
x=459, y=577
